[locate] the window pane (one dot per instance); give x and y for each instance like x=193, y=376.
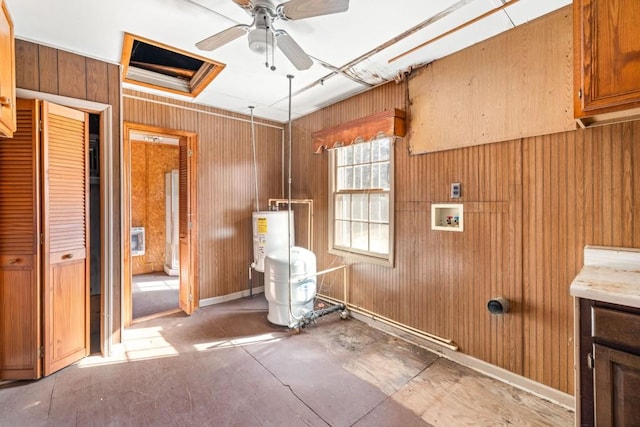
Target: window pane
x=362, y=177
x=345, y=178
x=359, y=207
x=380, y=149
x=379, y=207
x=380, y=176
x=379, y=238
x=383, y=176
x=360, y=235
x=361, y=153
x=375, y=150
x=343, y=205
x=345, y=155
x=342, y=234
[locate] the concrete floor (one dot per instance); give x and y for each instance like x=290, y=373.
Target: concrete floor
x=227, y=366
x=153, y=293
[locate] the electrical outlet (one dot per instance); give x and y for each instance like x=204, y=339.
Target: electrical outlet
x=456, y=190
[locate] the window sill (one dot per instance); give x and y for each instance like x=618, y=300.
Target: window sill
x=363, y=258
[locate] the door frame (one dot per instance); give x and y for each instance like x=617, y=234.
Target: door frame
x=108, y=220
x=191, y=140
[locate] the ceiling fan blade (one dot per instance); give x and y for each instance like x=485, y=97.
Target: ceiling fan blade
x=293, y=51
x=300, y=9
x=243, y=3
x=222, y=38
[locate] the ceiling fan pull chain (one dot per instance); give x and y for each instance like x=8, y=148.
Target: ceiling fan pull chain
x=266, y=42
x=273, y=51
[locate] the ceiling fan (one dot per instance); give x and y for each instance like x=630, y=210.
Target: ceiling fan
x=263, y=36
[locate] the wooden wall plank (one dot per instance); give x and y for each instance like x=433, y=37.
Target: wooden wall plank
x=97, y=86
x=72, y=75
x=27, y=63
x=48, y=66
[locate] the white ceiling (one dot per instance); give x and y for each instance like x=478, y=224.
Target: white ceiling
x=95, y=28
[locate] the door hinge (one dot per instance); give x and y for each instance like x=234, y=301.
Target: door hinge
x=190, y=225
x=40, y=125
x=41, y=352
x=41, y=238
x=190, y=297
x=580, y=93
x=590, y=361
x=189, y=152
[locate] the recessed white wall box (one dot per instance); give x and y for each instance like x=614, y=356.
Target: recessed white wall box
x=447, y=217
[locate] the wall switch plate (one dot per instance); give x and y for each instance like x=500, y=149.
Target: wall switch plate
x=456, y=190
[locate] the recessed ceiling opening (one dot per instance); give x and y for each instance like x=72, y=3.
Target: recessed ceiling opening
x=152, y=64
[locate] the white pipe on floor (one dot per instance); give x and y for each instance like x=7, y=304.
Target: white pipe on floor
x=424, y=335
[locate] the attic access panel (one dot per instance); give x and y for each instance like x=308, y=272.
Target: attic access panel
x=158, y=66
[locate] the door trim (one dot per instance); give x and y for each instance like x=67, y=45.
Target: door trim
x=191, y=139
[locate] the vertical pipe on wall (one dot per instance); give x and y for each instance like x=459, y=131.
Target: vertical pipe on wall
x=255, y=164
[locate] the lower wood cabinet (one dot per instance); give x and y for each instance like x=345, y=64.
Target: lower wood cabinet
x=609, y=365
x=617, y=387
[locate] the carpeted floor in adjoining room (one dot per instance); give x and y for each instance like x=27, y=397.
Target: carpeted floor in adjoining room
x=227, y=366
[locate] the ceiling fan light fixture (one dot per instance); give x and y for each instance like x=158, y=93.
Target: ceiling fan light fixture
x=260, y=40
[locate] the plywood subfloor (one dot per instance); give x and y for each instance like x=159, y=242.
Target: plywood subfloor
x=226, y=365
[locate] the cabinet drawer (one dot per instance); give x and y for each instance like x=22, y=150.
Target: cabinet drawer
x=617, y=328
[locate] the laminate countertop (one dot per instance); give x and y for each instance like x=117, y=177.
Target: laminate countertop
x=609, y=275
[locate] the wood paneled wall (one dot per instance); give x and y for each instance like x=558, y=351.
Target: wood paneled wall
x=53, y=71
x=579, y=188
x=530, y=206
x=150, y=162
x=225, y=182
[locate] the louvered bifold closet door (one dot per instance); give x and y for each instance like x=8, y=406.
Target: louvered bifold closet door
x=65, y=213
x=19, y=248
x=185, y=299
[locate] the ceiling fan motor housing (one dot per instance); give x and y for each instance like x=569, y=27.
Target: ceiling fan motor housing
x=262, y=36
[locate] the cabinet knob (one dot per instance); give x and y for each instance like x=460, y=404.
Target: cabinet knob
x=5, y=101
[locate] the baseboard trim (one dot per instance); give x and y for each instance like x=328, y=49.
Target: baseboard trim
x=229, y=297
x=545, y=392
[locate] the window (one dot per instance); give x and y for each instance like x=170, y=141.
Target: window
x=361, y=201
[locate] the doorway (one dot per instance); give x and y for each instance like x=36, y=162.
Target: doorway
x=159, y=200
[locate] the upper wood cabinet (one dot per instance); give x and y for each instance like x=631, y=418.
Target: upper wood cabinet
x=7, y=74
x=607, y=60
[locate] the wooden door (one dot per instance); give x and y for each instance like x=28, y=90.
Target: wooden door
x=186, y=224
x=20, y=248
x=65, y=213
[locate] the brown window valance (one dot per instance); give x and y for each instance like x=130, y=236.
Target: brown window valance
x=388, y=123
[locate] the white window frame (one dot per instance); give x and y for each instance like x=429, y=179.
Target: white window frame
x=356, y=254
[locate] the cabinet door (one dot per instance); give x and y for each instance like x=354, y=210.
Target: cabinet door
x=19, y=248
x=65, y=213
x=607, y=55
x=617, y=386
